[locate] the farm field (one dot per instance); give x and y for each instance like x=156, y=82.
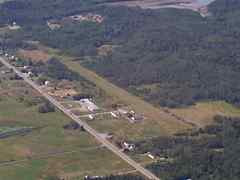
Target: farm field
x=34, y=154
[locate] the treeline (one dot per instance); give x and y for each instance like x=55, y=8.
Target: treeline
x=54, y=69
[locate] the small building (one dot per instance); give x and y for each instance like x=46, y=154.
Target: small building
x=114, y=115
x=46, y=83
x=91, y=116
x=128, y=147
x=150, y=155
x=30, y=74
x=25, y=67
x=12, y=58
x=88, y=104
x=14, y=26
x=53, y=24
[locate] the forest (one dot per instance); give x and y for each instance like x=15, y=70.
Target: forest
x=178, y=61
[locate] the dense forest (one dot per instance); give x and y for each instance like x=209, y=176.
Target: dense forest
x=169, y=57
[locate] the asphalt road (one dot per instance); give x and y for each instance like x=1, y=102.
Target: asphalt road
x=89, y=129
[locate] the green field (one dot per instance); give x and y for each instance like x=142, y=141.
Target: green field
x=79, y=154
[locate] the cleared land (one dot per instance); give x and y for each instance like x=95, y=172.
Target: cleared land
x=34, y=55
x=203, y=113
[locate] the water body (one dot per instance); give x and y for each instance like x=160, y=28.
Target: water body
x=205, y=2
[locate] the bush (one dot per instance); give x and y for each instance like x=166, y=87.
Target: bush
x=46, y=107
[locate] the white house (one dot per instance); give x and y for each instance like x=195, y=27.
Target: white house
x=91, y=117
x=114, y=115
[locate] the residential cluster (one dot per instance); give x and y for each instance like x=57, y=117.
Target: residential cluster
x=55, y=24
x=81, y=105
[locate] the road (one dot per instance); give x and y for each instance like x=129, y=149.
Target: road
x=89, y=129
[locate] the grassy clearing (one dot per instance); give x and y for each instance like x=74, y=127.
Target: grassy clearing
x=25, y=171
x=79, y=164
x=51, y=137
x=204, y=112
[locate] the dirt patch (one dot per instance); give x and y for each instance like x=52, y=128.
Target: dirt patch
x=23, y=151
x=34, y=55
x=63, y=93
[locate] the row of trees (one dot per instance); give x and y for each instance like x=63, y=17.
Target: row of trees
x=54, y=69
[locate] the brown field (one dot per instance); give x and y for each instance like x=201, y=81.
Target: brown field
x=34, y=55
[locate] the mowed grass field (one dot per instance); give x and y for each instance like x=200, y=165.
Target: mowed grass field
x=79, y=154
